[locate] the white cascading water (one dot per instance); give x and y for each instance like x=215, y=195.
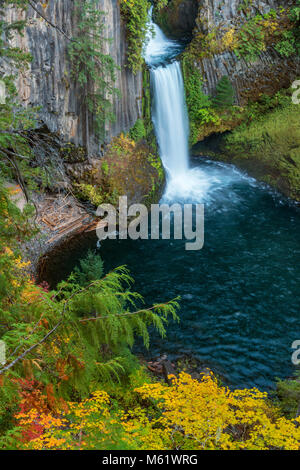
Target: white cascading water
x=170, y=119
x=169, y=113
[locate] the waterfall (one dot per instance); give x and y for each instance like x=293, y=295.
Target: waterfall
x=170, y=118
x=169, y=113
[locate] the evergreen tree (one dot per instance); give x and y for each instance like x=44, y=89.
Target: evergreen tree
x=91, y=269
x=224, y=93
x=15, y=120
x=91, y=67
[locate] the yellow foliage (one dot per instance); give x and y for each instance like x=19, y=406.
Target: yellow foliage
x=204, y=415
x=189, y=414
x=230, y=40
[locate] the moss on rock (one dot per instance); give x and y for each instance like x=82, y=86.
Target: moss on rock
x=269, y=149
x=128, y=169
x=71, y=153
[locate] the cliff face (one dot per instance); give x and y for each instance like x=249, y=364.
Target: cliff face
x=48, y=84
x=267, y=74
x=178, y=19
x=223, y=12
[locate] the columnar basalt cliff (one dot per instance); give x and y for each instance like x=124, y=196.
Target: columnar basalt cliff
x=48, y=83
x=267, y=73
x=238, y=67
x=212, y=47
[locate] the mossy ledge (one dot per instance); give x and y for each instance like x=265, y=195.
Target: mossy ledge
x=128, y=168
x=267, y=148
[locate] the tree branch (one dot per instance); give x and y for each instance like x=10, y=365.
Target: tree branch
x=31, y=3
x=126, y=313
x=34, y=346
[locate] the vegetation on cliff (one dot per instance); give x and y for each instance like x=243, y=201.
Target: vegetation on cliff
x=246, y=38
x=250, y=35
x=91, y=67
x=269, y=148
x=208, y=114
x=15, y=121
x=135, y=14
x=264, y=138
x=129, y=167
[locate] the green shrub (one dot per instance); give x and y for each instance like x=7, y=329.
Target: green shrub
x=269, y=146
x=90, y=269
x=288, y=393
x=138, y=131
x=198, y=104
x=251, y=40
x=287, y=46
x=135, y=14
x=89, y=192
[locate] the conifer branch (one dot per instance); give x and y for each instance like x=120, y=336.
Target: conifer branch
x=154, y=307
x=34, y=346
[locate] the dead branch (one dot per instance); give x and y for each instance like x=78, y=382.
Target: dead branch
x=34, y=346
x=31, y=3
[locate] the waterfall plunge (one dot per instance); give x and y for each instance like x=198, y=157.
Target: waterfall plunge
x=169, y=113
x=170, y=118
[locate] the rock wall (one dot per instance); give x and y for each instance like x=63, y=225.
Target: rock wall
x=268, y=74
x=48, y=84
x=213, y=13
x=178, y=19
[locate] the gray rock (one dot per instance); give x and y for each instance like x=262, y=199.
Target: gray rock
x=268, y=74
x=47, y=83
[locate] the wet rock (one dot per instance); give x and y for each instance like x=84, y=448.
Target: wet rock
x=164, y=367
x=178, y=18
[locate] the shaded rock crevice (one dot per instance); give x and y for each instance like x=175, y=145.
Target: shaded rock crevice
x=178, y=18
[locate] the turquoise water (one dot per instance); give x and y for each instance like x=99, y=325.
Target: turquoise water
x=240, y=293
